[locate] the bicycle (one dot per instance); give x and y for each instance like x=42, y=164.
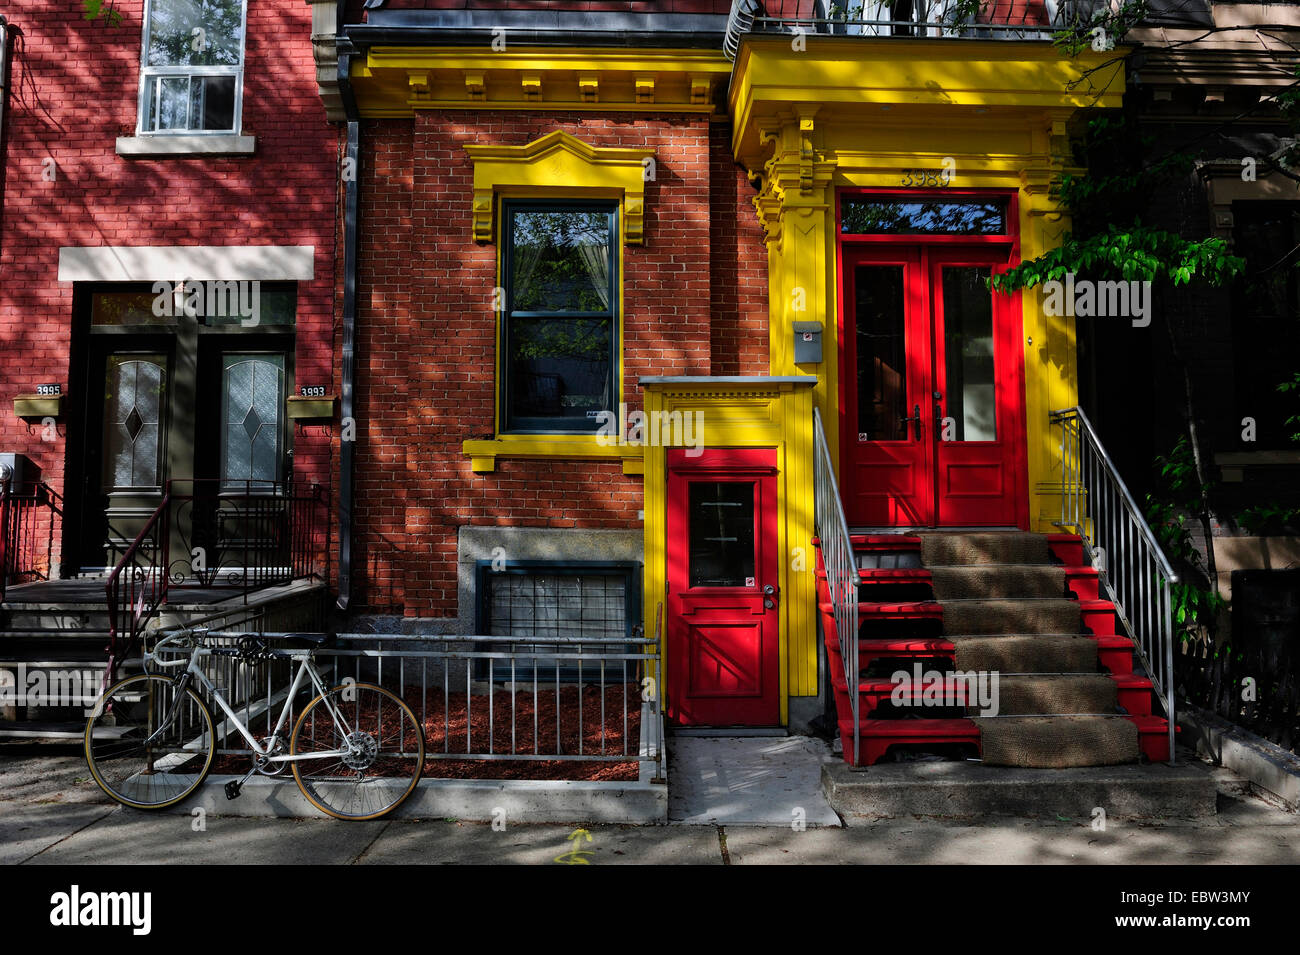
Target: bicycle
x=356, y=750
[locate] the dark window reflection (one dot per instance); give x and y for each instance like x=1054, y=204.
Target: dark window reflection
x=924, y=217
x=721, y=519
x=881, y=353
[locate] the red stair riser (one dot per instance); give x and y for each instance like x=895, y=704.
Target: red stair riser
x=1066, y=549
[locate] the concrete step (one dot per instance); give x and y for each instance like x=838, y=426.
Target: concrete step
x=970, y=790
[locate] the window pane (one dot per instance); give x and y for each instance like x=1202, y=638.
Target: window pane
x=882, y=355
x=560, y=368
x=927, y=216
x=968, y=353
x=234, y=303
x=124, y=308
x=174, y=42
x=253, y=395
x=212, y=104
x=133, y=406
x=169, y=102
x=721, y=534
x=560, y=261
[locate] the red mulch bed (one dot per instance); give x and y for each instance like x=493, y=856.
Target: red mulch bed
x=454, y=739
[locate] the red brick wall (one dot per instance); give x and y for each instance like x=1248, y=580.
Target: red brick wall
x=75, y=84
x=427, y=335
x=738, y=267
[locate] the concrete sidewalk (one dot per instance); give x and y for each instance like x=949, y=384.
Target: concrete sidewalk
x=51, y=813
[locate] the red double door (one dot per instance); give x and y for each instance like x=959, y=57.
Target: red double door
x=723, y=656
x=932, y=388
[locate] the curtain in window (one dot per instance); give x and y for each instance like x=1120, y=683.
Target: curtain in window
x=593, y=249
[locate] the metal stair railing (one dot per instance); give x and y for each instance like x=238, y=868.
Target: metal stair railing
x=1098, y=506
x=841, y=567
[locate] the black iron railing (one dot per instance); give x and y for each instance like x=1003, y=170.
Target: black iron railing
x=239, y=536
x=28, y=515
x=940, y=19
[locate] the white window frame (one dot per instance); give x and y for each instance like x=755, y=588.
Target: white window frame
x=147, y=73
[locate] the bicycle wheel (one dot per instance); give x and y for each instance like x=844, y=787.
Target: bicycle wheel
x=143, y=774
x=384, y=744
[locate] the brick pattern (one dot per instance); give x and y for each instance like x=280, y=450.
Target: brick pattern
x=75, y=84
x=427, y=336
x=738, y=267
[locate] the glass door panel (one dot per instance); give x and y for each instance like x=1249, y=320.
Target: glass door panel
x=967, y=375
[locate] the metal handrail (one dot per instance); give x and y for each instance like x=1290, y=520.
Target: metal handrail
x=931, y=18
x=21, y=532
x=1097, y=505
x=151, y=578
x=838, y=560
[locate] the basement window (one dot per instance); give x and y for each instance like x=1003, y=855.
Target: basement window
x=598, y=600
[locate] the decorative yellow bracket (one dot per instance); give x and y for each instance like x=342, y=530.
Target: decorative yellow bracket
x=561, y=164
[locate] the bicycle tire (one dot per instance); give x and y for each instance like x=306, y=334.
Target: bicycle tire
x=332, y=785
x=114, y=739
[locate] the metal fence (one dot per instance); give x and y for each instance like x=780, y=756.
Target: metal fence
x=482, y=698
x=1096, y=504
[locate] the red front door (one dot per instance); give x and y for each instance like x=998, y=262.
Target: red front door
x=933, y=422
x=723, y=662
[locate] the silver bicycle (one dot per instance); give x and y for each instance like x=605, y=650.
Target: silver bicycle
x=356, y=750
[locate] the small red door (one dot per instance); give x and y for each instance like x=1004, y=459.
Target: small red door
x=723, y=663
x=933, y=425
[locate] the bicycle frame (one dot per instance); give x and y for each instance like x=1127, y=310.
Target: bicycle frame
x=193, y=672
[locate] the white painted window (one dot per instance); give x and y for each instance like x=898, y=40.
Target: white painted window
x=192, y=66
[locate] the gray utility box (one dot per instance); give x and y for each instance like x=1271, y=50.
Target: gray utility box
x=18, y=471
x=807, y=343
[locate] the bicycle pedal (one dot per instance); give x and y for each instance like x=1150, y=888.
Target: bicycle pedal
x=232, y=789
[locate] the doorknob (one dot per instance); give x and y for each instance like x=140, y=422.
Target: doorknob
x=769, y=597
x=915, y=419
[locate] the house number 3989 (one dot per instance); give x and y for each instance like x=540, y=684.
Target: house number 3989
x=926, y=177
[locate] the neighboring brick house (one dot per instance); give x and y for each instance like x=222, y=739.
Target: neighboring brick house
x=204, y=156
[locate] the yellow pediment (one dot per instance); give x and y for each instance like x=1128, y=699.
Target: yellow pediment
x=561, y=164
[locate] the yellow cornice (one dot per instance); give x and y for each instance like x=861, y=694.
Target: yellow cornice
x=890, y=80
x=555, y=162
x=396, y=81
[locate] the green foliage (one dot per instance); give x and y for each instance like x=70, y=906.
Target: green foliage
x=1130, y=254
x=1180, y=492
x=1266, y=519
x=1100, y=31
x=94, y=10
x=1294, y=420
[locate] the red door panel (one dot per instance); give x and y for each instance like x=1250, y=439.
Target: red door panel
x=723, y=663
x=977, y=390
x=888, y=477
x=932, y=410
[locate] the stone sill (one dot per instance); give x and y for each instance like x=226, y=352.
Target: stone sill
x=185, y=145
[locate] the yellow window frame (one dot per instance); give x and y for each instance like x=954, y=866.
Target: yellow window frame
x=554, y=168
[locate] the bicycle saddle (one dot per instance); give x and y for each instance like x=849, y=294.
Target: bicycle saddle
x=304, y=641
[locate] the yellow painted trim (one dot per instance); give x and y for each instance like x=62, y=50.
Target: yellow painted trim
x=753, y=414
x=558, y=161
x=398, y=81
x=859, y=112
x=484, y=452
